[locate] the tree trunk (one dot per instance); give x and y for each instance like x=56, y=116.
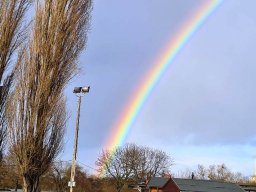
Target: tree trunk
x=31, y=184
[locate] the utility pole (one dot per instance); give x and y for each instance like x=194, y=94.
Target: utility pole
x=80, y=91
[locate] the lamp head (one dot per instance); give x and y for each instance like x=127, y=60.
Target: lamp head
x=77, y=90
x=85, y=89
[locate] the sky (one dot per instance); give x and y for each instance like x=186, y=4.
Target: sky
x=203, y=110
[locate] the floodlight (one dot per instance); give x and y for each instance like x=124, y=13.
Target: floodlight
x=77, y=90
x=85, y=89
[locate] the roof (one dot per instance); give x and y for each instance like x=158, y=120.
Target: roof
x=193, y=185
x=157, y=182
x=248, y=186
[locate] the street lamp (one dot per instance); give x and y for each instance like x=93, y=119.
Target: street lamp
x=79, y=91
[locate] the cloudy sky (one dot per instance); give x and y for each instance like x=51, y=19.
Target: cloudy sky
x=203, y=111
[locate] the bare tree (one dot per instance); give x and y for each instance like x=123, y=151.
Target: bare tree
x=186, y=174
x=9, y=177
x=115, y=165
x=57, y=177
x=133, y=163
x=11, y=36
x=222, y=173
x=150, y=163
x=218, y=172
x=201, y=172
x=36, y=108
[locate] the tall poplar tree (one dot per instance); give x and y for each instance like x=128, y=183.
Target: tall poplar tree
x=36, y=108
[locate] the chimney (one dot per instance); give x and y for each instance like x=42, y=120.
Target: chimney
x=192, y=175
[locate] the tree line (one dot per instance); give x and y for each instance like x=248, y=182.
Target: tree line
x=217, y=172
x=122, y=166
x=56, y=178
x=119, y=168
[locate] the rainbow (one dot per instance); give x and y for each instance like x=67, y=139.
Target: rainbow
x=176, y=44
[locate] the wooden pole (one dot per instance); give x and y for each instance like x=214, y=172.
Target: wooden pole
x=73, y=168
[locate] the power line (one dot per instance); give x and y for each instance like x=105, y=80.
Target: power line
x=87, y=166
x=78, y=162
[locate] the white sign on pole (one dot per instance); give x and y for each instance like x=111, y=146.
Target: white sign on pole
x=71, y=183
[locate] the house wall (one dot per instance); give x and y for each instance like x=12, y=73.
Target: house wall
x=155, y=190
x=170, y=187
